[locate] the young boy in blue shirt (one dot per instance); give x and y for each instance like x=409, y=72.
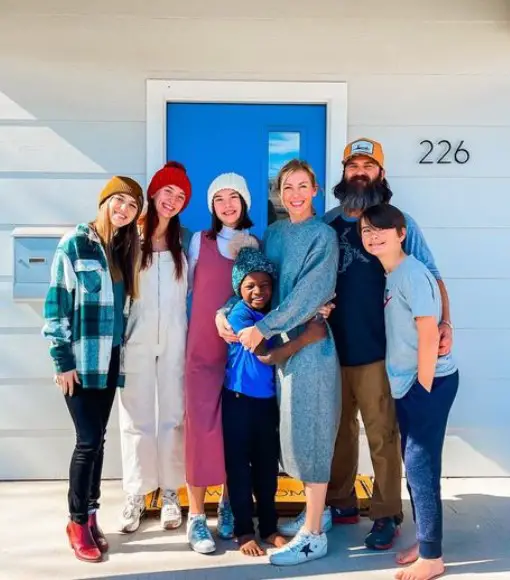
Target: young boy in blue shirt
x=249, y=405
x=423, y=385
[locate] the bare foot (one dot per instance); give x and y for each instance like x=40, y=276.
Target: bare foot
x=408, y=556
x=422, y=570
x=249, y=546
x=276, y=540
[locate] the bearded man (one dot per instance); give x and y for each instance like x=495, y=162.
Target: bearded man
x=357, y=323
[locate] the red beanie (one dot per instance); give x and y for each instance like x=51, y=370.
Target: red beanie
x=172, y=173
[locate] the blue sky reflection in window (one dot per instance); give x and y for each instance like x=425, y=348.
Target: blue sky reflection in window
x=283, y=146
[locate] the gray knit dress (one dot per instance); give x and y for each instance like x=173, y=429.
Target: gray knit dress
x=309, y=393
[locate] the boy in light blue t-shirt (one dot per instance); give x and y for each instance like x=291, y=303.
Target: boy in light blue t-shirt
x=423, y=384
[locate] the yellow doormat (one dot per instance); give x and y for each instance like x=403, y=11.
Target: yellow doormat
x=290, y=496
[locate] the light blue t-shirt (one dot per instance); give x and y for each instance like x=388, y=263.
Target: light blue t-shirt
x=411, y=291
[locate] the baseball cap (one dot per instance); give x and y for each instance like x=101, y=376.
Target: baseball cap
x=366, y=147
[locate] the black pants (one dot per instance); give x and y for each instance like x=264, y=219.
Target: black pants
x=90, y=410
x=252, y=448
x=422, y=418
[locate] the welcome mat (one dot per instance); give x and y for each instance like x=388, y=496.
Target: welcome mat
x=290, y=496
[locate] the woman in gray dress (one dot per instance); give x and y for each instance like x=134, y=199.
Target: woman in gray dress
x=305, y=251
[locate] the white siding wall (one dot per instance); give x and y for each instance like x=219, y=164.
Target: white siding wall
x=72, y=113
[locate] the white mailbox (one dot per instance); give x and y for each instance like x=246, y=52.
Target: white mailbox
x=34, y=248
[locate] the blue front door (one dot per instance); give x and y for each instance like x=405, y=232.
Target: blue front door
x=252, y=140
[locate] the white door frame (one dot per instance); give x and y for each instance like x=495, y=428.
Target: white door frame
x=332, y=94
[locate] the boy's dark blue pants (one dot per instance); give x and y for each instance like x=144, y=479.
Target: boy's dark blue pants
x=422, y=418
x=252, y=448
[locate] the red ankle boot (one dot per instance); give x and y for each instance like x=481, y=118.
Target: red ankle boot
x=97, y=534
x=82, y=543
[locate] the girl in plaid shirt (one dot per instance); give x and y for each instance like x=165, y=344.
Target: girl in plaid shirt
x=94, y=269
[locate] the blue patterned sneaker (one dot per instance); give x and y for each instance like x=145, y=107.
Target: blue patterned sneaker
x=199, y=536
x=304, y=547
x=292, y=527
x=382, y=534
x=225, y=526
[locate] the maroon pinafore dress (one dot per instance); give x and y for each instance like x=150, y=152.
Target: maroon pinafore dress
x=206, y=357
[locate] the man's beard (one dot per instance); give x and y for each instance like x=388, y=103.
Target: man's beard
x=359, y=193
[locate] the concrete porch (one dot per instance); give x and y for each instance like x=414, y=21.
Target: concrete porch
x=33, y=543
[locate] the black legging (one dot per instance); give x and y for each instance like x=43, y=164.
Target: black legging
x=90, y=410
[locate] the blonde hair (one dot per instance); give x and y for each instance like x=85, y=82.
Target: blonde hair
x=122, y=249
x=291, y=167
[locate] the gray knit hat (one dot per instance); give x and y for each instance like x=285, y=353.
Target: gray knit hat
x=250, y=260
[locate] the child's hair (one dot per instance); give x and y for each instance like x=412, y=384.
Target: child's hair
x=290, y=167
x=244, y=222
x=383, y=217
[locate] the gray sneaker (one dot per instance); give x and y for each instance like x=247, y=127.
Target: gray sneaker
x=171, y=517
x=132, y=513
x=199, y=536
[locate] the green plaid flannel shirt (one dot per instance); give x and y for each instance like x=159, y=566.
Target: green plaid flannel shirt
x=79, y=309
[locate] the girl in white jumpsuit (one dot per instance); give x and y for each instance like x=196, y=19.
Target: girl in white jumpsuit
x=152, y=403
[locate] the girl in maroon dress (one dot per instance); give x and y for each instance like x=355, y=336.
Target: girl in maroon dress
x=210, y=281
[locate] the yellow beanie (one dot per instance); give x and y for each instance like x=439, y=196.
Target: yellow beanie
x=121, y=184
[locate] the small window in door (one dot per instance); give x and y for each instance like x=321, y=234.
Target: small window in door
x=283, y=146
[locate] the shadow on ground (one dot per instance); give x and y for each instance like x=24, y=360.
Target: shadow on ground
x=476, y=528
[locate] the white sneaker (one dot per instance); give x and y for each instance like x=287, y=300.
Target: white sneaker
x=292, y=527
x=199, y=536
x=304, y=547
x=132, y=513
x=171, y=516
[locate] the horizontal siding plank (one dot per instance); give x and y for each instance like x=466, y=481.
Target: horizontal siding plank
x=6, y=253
x=68, y=147
x=470, y=253
x=52, y=201
x=41, y=406
x=38, y=407
x=47, y=456
x=369, y=9
x=18, y=315
x=480, y=353
x=487, y=147
x=479, y=304
x=14, y=360
x=483, y=396
x=71, y=200
x=466, y=296
x=435, y=100
x=468, y=453
x=71, y=92
x=83, y=91
x=156, y=45
x=441, y=202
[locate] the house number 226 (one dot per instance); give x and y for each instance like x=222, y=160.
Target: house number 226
x=443, y=152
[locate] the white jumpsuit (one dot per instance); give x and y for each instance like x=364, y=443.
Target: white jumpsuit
x=152, y=401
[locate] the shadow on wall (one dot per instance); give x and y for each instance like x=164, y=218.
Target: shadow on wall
x=475, y=532
x=90, y=122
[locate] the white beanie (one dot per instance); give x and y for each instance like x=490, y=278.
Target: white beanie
x=229, y=181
